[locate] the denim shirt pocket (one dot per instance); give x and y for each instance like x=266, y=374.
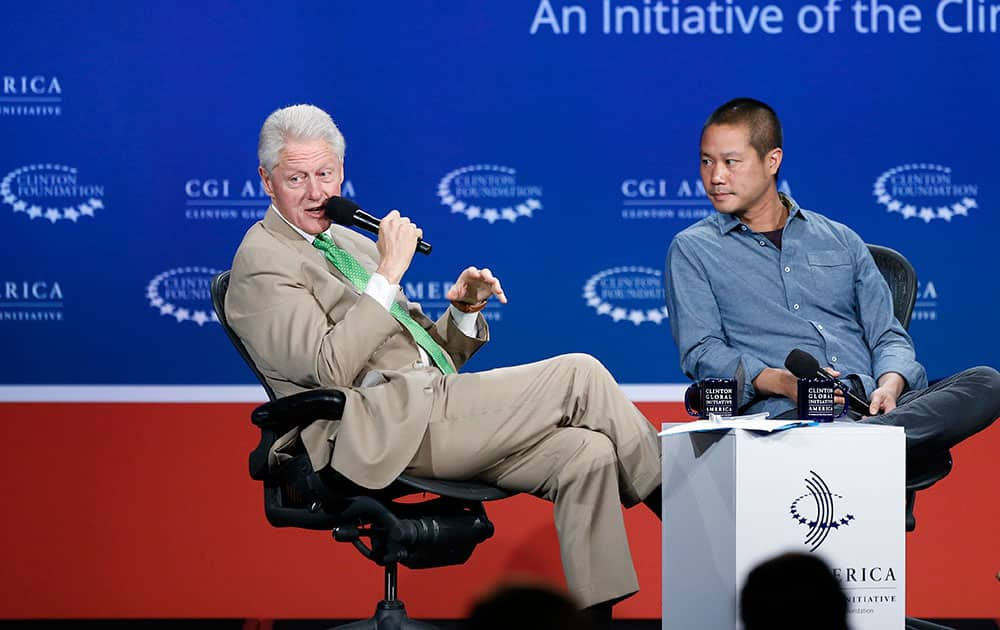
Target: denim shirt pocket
x=832, y=258
x=832, y=279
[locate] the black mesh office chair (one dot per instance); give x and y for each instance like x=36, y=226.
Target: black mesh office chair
x=901, y=277
x=902, y=280
x=438, y=531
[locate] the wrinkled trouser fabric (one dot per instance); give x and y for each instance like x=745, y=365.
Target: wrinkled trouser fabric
x=563, y=430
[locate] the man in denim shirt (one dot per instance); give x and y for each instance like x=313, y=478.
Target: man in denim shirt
x=763, y=276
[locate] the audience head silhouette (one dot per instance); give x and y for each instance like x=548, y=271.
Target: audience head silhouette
x=793, y=590
x=527, y=607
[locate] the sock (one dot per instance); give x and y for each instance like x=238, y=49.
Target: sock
x=655, y=502
x=600, y=615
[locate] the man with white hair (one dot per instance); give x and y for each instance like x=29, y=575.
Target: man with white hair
x=319, y=305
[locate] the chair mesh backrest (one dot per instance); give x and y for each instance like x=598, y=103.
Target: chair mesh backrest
x=902, y=280
x=220, y=284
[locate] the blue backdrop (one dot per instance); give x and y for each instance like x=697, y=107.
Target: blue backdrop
x=556, y=143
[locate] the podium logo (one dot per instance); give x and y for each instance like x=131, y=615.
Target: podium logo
x=632, y=294
x=51, y=192
x=35, y=95
x=666, y=198
x=31, y=301
x=924, y=191
x=223, y=199
x=817, y=511
x=184, y=293
x=489, y=192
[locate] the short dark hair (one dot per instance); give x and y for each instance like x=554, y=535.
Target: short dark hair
x=765, y=129
x=527, y=606
x=811, y=596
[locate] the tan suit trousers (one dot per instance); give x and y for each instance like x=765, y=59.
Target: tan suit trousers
x=563, y=430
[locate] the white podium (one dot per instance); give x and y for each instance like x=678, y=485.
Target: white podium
x=732, y=499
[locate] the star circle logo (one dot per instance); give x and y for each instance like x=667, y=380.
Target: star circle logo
x=41, y=191
x=184, y=293
x=924, y=191
x=490, y=192
x=633, y=294
x=817, y=510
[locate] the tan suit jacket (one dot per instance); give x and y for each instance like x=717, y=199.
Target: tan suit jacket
x=307, y=327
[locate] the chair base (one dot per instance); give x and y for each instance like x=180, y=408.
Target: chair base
x=389, y=615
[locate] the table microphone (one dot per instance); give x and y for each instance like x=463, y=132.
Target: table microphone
x=804, y=365
x=345, y=212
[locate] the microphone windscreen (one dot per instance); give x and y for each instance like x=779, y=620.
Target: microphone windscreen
x=802, y=364
x=341, y=210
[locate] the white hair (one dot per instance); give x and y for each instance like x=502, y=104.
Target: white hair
x=296, y=122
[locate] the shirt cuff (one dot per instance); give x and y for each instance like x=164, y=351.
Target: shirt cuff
x=902, y=363
x=752, y=367
x=913, y=373
x=466, y=322
x=381, y=291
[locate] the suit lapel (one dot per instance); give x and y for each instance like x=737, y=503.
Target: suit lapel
x=343, y=238
x=276, y=225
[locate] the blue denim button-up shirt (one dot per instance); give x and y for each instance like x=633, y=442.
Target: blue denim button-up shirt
x=735, y=300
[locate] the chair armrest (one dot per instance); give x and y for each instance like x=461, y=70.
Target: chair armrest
x=299, y=410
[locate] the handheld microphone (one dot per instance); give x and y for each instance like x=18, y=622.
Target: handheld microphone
x=345, y=212
x=804, y=365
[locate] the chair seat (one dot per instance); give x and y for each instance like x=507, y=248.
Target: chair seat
x=465, y=490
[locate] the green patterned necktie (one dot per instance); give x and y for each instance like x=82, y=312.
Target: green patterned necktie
x=359, y=276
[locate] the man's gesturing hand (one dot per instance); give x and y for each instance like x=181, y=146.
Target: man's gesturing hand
x=473, y=288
